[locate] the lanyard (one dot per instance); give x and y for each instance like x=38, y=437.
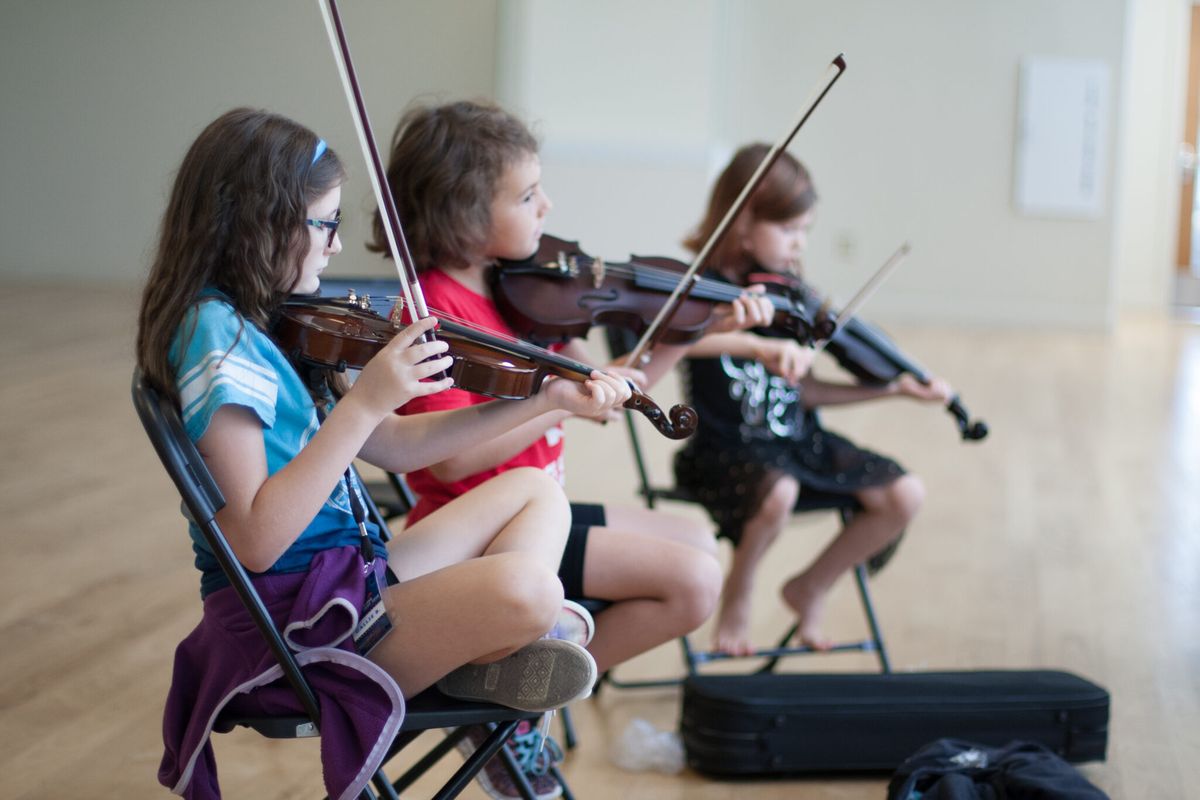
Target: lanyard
x=365, y=546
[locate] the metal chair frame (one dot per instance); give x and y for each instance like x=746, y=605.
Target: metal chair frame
x=619, y=342
x=202, y=500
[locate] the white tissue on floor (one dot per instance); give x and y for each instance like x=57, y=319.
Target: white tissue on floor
x=644, y=747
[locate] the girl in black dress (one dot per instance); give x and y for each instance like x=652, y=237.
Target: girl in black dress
x=760, y=443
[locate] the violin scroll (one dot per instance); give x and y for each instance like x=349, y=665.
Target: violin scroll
x=679, y=423
x=971, y=431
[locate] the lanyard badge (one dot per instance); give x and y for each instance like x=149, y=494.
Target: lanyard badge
x=374, y=624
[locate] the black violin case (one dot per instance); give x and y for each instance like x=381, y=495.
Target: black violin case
x=772, y=724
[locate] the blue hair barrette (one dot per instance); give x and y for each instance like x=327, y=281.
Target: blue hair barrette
x=319, y=151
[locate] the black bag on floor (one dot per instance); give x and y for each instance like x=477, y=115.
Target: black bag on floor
x=770, y=724
x=951, y=769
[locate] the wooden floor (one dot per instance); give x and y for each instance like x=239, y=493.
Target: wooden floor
x=1069, y=539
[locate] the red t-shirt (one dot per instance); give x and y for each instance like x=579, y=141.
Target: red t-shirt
x=444, y=294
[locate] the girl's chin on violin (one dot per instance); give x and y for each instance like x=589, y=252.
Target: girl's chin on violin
x=309, y=283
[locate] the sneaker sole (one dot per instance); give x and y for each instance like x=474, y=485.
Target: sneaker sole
x=586, y=617
x=541, y=676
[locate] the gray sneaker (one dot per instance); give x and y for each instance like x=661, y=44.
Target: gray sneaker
x=543, y=675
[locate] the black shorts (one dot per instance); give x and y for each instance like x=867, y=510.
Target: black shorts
x=584, y=516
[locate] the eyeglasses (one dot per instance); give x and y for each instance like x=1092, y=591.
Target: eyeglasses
x=330, y=225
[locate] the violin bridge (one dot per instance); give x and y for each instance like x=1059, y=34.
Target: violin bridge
x=597, y=273
x=564, y=264
x=356, y=300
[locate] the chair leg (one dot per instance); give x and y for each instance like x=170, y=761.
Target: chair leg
x=517, y=774
x=422, y=765
x=860, y=577
x=568, y=727
x=466, y=773
x=383, y=788
x=558, y=776
x=689, y=655
x=783, y=642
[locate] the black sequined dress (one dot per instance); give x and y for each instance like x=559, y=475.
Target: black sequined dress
x=753, y=429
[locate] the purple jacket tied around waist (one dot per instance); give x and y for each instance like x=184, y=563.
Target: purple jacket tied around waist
x=225, y=663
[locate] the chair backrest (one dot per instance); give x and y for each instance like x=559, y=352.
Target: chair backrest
x=202, y=500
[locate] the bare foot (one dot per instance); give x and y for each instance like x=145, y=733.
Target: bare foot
x=733, y=627
x=809, y=605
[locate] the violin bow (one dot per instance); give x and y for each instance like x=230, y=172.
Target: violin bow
x=864, y=293
x=410, y=286
x=972, y=430
x=650, y=337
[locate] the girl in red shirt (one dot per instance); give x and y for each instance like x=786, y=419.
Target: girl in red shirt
x=467, y=183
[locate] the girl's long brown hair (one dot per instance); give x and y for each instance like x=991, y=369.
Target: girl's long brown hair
x=443, y=169
x=786, y=192
x=234, y=222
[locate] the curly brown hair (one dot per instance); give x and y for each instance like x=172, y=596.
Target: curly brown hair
x=443, y=170
x=234, y=222
x=787, y=191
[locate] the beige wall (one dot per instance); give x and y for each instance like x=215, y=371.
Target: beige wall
x=100, y=99
x=638, y=102
x=915, y=143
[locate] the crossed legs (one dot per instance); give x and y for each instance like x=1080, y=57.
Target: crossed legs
x=478, y=578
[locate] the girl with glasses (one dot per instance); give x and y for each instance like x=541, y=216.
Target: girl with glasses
x=252, y=219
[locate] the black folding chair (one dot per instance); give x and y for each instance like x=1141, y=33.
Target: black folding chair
x=202, y=500
x=619, y=342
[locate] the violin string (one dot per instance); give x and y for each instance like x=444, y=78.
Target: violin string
x=519, y=346
x=398, y=300
x=670, y=279
x=665, y=280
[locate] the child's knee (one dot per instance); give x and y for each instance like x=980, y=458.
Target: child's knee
x=905, y=496
x=780, y=499
x=535, y=484
x=697, y=589
x=698, y=535
x=522, y=591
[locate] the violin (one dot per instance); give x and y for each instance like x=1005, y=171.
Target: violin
x=343, y=334
x=560, y=292
x=865, y=351
x=546, y=309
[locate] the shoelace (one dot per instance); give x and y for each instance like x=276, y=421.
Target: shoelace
x=536, y=752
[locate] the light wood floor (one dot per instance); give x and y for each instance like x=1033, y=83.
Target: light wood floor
x=1069, y=539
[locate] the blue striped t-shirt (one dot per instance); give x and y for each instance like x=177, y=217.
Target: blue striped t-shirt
x=227, y=359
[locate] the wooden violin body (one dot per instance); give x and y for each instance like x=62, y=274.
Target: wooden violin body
x=561, y=292
x=346, y=334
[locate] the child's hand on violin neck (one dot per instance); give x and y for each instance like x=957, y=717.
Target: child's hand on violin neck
x=937, y=390
x=598, y=398
x=632, y=373
x=397, y=373
x=751, y=310
x=785, y=358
